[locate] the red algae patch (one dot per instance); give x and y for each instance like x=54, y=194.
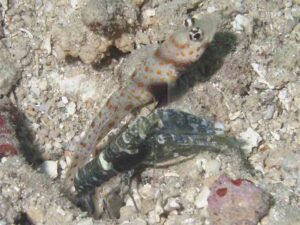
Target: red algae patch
x=9, y=144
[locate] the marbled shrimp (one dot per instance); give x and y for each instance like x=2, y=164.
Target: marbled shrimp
x=162, y=68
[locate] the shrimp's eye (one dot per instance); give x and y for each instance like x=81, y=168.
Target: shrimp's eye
x=196, y=34
x=189, y=21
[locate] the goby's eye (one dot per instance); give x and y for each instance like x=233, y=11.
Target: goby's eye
x=196, y=34
x=189, y=22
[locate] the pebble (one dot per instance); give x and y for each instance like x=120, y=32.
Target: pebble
x=138, y=2
x=252, y=139
x=127, y=213
x=137, y=221
x=190, y=193
x=154, y=215
x=125, y=43
x=4, y=4
x=71, y=108
x=43, y=84
x=64, y=100
x=262, y=73
x=298, y=183
x=48, y=147
x=53, y=134
x=50, y=168
x=3, y=159
x=146, y=192
x=211, y=9
x=269, y=112
x=147, y=206
x=35, y=90
x=63, y=164
x=212, y=167
x=86, y=221
x=172, y=204
x=136, y=198
x=219, y=127
x=275, y=135
x=148, y=17
x=57, y=145
x=74, y=3
x=201, y=198
x=235, y=115
x=86, y=88
x=43, y=108
x=46, y=44
x=284, y=98
x=241, y=23
x=296, y=32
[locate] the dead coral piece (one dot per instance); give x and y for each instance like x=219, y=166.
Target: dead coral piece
x=76, y=40
x=109, y=18
x=125, y=43
x=237, y=202
x=88, y=36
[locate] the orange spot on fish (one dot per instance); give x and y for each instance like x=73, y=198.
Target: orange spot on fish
x=140, y=84
x=178, y=44
x=158, y=72
x=160, y=56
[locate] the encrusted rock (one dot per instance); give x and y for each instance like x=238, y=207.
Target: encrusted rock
x=109, y=18
x=237, y=202
x=125, y=43
x=76, y=40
